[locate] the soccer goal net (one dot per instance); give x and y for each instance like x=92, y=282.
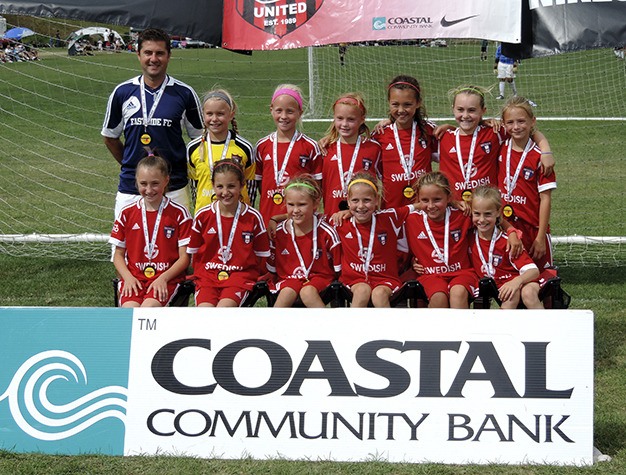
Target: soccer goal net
x=58, y=181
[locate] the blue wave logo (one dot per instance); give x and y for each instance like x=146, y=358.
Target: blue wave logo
x=379, y=23
x=35, y=406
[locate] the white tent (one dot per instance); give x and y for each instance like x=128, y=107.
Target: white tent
x=92, y=31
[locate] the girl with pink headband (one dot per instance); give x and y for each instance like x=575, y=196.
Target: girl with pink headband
x=285, y=153
x=349, y=150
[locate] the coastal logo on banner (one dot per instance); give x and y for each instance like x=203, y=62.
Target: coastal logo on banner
x=277, y=17
x=63, y=389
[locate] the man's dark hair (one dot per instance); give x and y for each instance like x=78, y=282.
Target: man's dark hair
x=154, y=34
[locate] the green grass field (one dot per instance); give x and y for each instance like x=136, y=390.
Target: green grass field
x=57, y=177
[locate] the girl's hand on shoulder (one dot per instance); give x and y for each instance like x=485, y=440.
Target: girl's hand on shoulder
x=271, y=228
x=378, y=128
x=462, y=206
x=159, y=288
x=323, y=144
x=339, y=217
x=494, y=123
x=547, y=163
x=514, y=245
x=132, y=286
x=441, y=129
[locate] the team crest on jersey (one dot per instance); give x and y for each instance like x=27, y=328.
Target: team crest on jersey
x=247, y=237
x=423, y=142
x=277, y=17
x=456, y=235
x=304, y=160
x=496, y=260
x=528, y=173
x=237, y=158
x=168, y=231
x=382, y=237
x=486, y=146
x=318, y=254
x=367, y=164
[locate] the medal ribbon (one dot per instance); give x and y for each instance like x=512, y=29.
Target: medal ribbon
x=278, y=174
x=210, y=150
x=511, y=181
x=151, y=243
x=147, y=116
x=446, y=237
x=306, y=269
x=225, y=254
x=370, y=245
x=488, y=266
x=407, y=166
x=344, y=181
x=466, y=172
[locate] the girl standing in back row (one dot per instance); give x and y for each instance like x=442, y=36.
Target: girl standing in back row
x=349, y=150
x=285, y=153
x=407, y=144
x=218, y=143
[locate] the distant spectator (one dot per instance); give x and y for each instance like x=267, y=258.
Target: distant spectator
x=483, y=50
x=505, y=68
x=58, y=39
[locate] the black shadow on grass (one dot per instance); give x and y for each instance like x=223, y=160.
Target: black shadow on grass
x=610, y=436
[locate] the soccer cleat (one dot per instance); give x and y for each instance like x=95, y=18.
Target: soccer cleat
x=500, y=97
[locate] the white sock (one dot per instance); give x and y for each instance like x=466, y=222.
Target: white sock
x=514, y=87
x=501, y=86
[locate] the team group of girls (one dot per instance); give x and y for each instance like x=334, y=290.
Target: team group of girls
x=387, y=216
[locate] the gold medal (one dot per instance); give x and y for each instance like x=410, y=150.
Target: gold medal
x=213, y=198
x=146, y=139
x=507, y=211
x=408, y=192
x=278, y=198
x=467, y=195
x=223, y=275
x=149, y=271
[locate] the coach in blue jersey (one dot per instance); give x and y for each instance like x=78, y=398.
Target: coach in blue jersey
x=151, y=110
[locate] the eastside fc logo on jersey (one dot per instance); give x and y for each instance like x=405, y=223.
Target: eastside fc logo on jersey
x=278, y=17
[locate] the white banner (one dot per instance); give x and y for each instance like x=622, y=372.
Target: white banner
x=400, y=385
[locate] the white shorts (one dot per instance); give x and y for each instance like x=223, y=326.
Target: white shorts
x=182, y=197
x=505, y=71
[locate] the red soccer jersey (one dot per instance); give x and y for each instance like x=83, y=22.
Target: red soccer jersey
x=250, y=242
x=484, y=170
x=503, y=267
x=333, y=189
x=423, y=250
x=173, y=233
x=303, y=158
x=285, y=261
x=530, y=182
x=395, y=178
x=388, y=240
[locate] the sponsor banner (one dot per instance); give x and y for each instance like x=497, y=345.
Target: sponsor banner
x=408, y=386
x=438, y=386
x=278, y=24
x=63, y=379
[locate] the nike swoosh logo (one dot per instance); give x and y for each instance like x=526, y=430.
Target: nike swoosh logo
x=445, y=23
